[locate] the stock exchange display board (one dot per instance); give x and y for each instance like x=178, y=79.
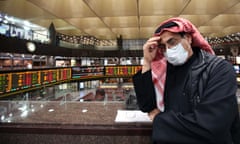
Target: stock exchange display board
x=98, y=71
x=14, y=81
x=87, y=72
x=4, y=80
x=121, y=70
x=22, y=80
x=25, y=79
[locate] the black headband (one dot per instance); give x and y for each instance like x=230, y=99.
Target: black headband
x=167, y=25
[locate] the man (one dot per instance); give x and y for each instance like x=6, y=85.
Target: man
x=188, y=92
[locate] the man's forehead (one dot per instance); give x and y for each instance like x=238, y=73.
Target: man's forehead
x=166, y=35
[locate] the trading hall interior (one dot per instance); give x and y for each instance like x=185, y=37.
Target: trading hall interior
x=66, y=66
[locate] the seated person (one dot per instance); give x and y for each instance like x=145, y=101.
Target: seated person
x=100, y=95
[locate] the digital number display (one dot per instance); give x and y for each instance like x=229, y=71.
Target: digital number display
x=64, y=74
x=121, y=70
x=4, y=86
x=84, y=72
x=13, y=81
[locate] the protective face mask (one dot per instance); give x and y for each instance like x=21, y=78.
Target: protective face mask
x=176, y=55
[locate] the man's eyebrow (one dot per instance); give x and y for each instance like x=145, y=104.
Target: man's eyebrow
x=161, y=42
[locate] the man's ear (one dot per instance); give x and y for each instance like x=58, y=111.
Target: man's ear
x=188, y=37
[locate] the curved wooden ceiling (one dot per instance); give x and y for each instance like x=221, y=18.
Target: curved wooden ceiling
x=133, y=19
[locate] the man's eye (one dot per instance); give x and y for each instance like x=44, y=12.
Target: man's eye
x=161, y=46
x=173, y=42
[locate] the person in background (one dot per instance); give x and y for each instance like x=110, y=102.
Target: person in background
x=187, y=91
x=100, y=95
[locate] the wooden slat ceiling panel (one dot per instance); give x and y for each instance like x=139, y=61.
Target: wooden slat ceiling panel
x=133, y=19
x=121, y=22
x=209, y=7
x=65, y=8
x=113, y=8
x=225, y=20
x=161, y=7
x=23, y=9
x=128, y=33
